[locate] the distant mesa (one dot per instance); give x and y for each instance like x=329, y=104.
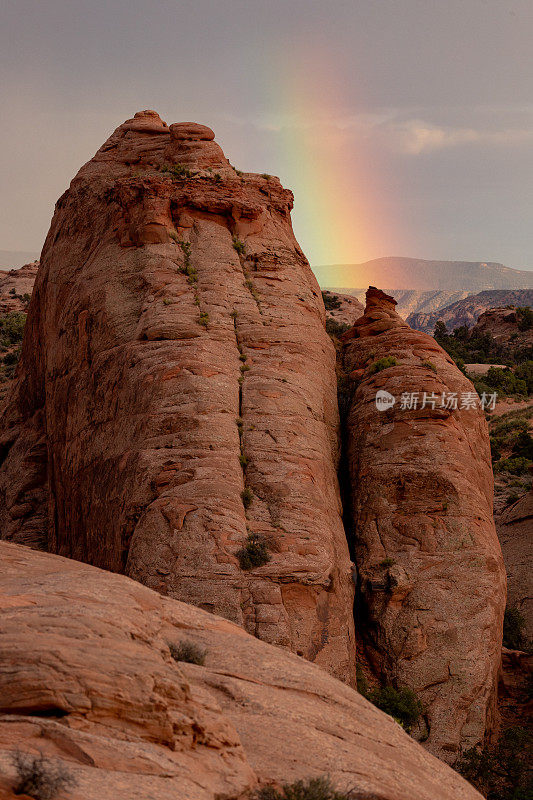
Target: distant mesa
x=422, y=275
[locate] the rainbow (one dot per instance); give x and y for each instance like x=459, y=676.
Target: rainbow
x=339, y=182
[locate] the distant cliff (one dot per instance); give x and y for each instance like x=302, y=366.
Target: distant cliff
x=413, y=273
x=468, y=310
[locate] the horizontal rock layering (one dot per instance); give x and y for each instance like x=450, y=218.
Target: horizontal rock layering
x=177, y=393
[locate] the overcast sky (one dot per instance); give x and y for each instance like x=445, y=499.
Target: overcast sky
x=404, y=127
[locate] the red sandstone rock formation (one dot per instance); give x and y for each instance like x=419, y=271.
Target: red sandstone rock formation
x=430, y=567
x=15, y=285
x=343, y=308
x=177, y=393
x=87, y=678
x=515, y=529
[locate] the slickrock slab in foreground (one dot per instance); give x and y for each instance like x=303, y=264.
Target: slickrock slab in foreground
x=87, y=678
x=430, y=565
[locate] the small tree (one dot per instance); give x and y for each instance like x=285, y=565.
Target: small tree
x=39, y=777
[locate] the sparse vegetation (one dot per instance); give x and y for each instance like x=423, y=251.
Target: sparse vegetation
x=514, y=627
x=331, y=301
x=11, y=329
x=501, y=772
x=239, y=246
x=525, y=318
x=511, y=499
x=511, y=443
x=516, y=379
x=176, y=171
x=266, y=176
x=39, y=777
x=336, y=329
x=243, y=461
x=387, y=562
x=247, y=496
x=204, y=319
x=381, y=364
x=429, y=365
x=360, y=677
x=517, y=465
x=310, y=789
x=188, y=651
x=254, y=553
x=401, y=704
x=505, y=382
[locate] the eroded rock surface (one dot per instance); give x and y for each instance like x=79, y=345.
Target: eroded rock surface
x=175, y=357
x=342, y=308
x=430, y=568
x=515, y=531
x=16, y=286
x=87, y=678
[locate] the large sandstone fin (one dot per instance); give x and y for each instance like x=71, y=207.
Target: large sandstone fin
x=178, y=382
x=431, y=576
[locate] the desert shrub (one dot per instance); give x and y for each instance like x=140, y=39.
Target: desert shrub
x=402, y=704
x=524, y=372
x=501, y=772
x=177, y=171
x=517, y=465
x=495, y=449
x=381, y=364
x=514, y=625
x=310, y=789
x=429, y=365
x=505, y=381
x=334, y=328
x=189, y=652
x=387, y=562
x=254, y=553
x=238, y=246
x=511, y=499
x=12, y=358
x=525, y=318
x=12, y=328
x=39, y=777
x=204, y=319
x=523, y=446
x=361, y=681
x=331, y=301
x=247, y=496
